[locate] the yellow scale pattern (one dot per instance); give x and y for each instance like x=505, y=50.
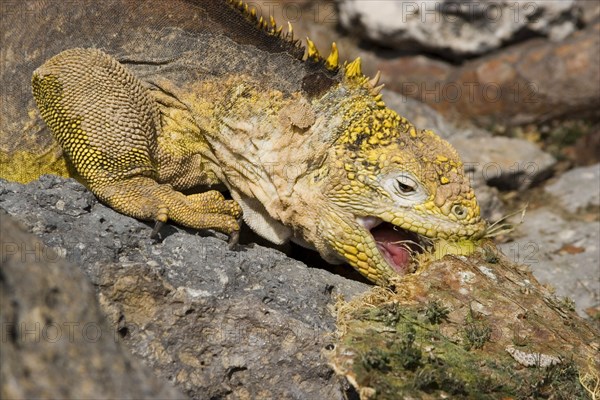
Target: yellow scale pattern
x=107, y=125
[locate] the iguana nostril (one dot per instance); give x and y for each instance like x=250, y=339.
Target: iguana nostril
x=459, y=211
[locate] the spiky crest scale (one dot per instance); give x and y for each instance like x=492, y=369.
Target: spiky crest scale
x=313, y=53
x=354, y=68
x=353, y=73
x=332, y=61
x=271, y=27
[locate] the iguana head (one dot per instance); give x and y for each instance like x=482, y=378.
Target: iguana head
x=391, y=189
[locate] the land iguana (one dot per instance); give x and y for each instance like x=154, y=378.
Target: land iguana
x=304, y=144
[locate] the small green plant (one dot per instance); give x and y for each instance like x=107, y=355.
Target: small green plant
x=436, y=312
x=560, y=381
x=376, y=359
x=491, y=256
x=430, y=379
x=567, y=303
x=390, y=314
x=477, y=331
x=405, y=352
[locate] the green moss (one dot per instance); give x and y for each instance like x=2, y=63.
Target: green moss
x=405, y=351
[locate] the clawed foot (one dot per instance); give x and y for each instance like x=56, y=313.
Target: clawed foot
x=232, y=242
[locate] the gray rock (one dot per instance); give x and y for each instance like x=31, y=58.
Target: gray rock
x=562, y=248
x=492, y=208
x=506, y=163
x=218, y=323
x=590, y=10
x=457, y=27
x=424, y=116
x=561, y=252
x=56, y=342
x=577, y=189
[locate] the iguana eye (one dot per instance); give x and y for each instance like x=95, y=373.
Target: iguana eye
x=404, y=188
x=405, y=185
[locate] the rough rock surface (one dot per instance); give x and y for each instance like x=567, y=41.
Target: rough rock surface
x=506, y=163
x=56, y=342
x=561, y=241
x=530, y=82
x=577, y=189
x=424, y=116
x=218, y=323
x=586, y=149
x=563, y=253
x=456, y=28
x=590, y=10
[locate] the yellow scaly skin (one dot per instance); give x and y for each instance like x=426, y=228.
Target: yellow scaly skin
x=109, y=127
x=307, y=169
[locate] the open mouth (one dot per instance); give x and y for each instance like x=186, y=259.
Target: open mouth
x=396, y=245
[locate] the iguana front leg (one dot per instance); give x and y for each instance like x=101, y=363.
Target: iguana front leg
x=108, y=125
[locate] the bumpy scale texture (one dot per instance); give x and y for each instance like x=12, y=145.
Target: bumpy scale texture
x=108, y=126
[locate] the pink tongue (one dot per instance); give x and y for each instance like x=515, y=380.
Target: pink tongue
x=399, y=254
x=391, y=244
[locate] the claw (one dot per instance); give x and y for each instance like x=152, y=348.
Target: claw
x=157, y=226
x=233, y=241
x=234, y=238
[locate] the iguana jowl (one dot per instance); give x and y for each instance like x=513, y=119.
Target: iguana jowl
x=306, y=147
